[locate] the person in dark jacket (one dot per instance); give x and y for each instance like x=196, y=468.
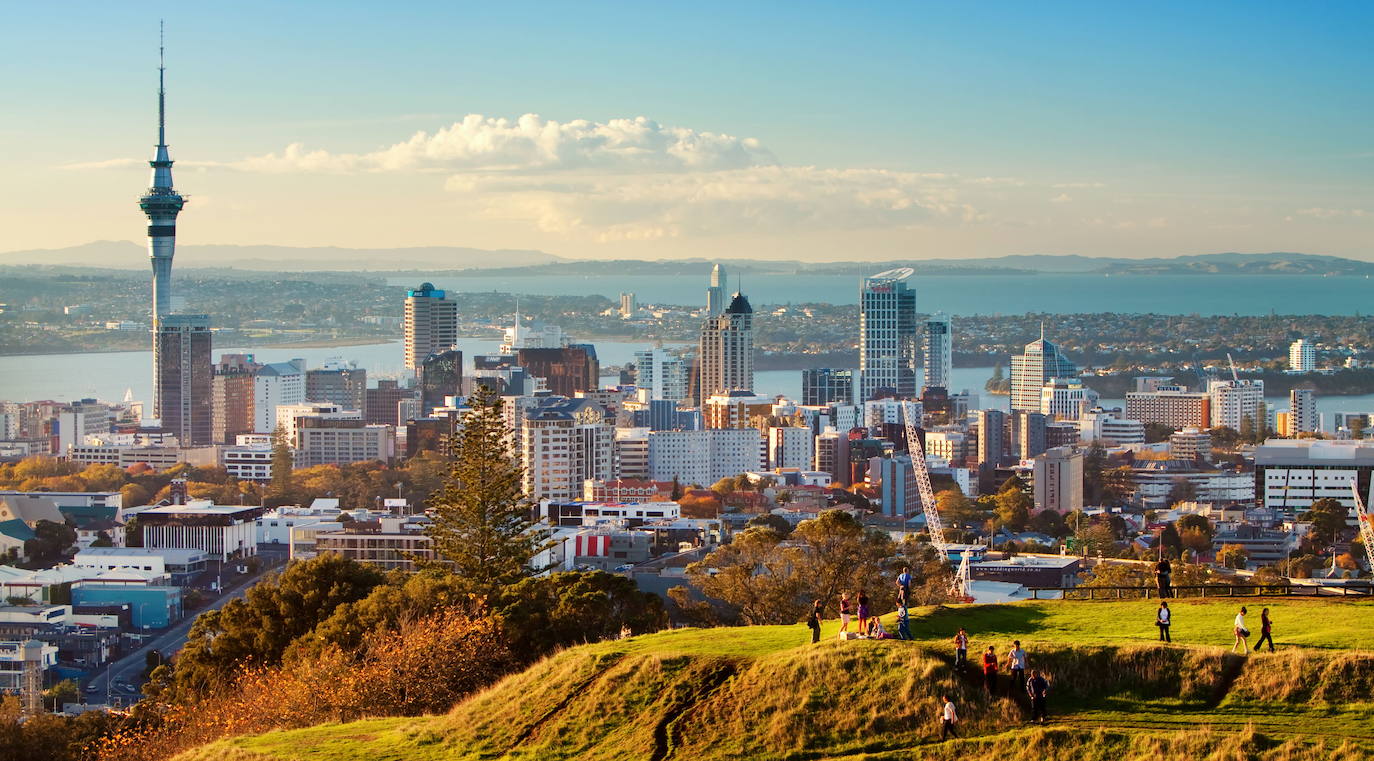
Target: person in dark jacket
x=1164, y=577
x=990, y=670
x=1038, y=688
x=813, y=622
x=1163, y=619
x=1266, y=633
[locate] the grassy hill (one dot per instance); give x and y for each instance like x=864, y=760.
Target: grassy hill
x=767, y=693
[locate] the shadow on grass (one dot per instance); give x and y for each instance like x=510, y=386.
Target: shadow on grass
x=944, y=622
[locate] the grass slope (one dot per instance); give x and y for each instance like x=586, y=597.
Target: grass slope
x=766, y=693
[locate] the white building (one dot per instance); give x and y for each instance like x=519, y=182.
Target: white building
x=1302, y=356
x=704, y=457
x=939, y=351
x=275, y=385
x=1066, y=399
x=1293, y=473
x=564, y=443
x=1109, y=429
x=887, y=334
x=1190, y=444
x=1058, y=480
x=288, y=415
x=159, y=561
x=1302, y=412
x=791, y=448
x=662, y=373
x=221, y=531
x=430, y=324
x=340, y=442
x=247, y=463
x=1235, y=401
x=632, y=453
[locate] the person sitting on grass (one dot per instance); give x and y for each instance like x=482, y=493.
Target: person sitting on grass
x=876, y=630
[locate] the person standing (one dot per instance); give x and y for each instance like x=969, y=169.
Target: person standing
x=948, y=718
x=863, y=611
x=1266, y=633
x=1164, y=617
x=1242, y=633
x=960, y=649
x=904, y=588
x=903, y=624
x=813, y=622
x=1038, y=688
x=1163, y=577
x=844, y=614
x=990, y=670
x=1016, y=664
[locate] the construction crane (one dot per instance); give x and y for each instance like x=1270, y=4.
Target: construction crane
x=934, y=526
x=1366, y=528
x=1234, y=375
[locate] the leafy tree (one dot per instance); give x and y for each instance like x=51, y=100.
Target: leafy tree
x=103, y=539
x=955, y=509
x=769, y=520
x=258, y=628
x=756, y=575
x=65, y=691
x=1170, y=541
x=1157, y=432
x=676, y=494
x=1117, y=485
x=844, y=555
x=1097, y=538
x=1182, y=490
x=1232, y=556
x=725, y=486
x=546, y=613
x=1328, y=519
x=1195, y=522
x=1050, y=523
x=1196, y=540
x=133, y=533
x=50, y=543
x=1013, y=508
x=483, y=525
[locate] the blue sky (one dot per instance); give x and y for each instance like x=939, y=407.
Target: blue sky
x=885, y=130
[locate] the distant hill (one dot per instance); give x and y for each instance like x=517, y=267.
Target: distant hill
x=127, y=254
x=516, y=262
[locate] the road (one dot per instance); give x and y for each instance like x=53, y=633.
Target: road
x=130, y=668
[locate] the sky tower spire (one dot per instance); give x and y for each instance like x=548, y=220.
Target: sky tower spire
x=161, y=202
x=161, y=88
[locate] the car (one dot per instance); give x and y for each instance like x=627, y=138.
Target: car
x=91, y=688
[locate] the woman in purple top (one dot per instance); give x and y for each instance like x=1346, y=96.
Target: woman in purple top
x=863, y=610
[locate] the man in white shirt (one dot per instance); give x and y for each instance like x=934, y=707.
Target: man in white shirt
x=1016, y=663
x=948, y=719
x=1242, y=633
x=1163, y=618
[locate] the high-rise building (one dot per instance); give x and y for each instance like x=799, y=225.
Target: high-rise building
x=1302, y=356
x=441, y=375
x=824, y=385
x=1171, y=406
x=276, y=384
x=662, y=373
x=1027, y=433
x=161, y=203
x=1033, y=368
x=1066, y=399
x=380, y=403
x=1302, y=412
x=704, y=457
x=992, y=445
x=565, y=442
x=431, y=324
x=1058, y=476
x=939, y=351
x=791, y=447
x=628, y=307
x=232, y=398
x=342, y=384
x=181, y=354
x=565, y=371
x=1236, y=401
x=887, y=334
x=725, y=356
x=715, y=294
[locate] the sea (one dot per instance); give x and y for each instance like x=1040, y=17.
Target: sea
x=973, y=294
x=110, y=376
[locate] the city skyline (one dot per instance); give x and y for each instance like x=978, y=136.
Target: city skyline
x=1150, y=136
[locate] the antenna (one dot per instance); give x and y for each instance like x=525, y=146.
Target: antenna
x=161, y=87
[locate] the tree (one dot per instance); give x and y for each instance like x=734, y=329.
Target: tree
x=1013, y=508
x=769, y=520
x=1097, y=538
x=1050, y=523
x=65, y=691
x=955, y=509
x=483, y=526
x=282, y=465
x=1328, y=519
x=1182, y=490
x=1196, y=540
x=49, y=544
x=725, y=486
x=1117, y=485
x=756, y=575
x=1157, y=432
x=1170, y=541
x=844, y=555
x=1195, y=522
x=258, y=628
x=676, y=494
x=560, y=610
x=1232, y=556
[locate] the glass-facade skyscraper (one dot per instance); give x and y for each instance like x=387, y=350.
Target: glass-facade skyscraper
x=887, y=334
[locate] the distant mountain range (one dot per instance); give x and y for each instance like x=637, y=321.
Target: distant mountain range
x=434, y=259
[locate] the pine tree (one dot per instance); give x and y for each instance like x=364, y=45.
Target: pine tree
x=483, y=527
x=282, y=464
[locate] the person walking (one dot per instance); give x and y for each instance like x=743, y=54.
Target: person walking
x=1038, y=688
x=844, y=614
x=813, y=622
x=1016, y=664
x=990, y=670
x=904, y=588
x=1242, y=633
x=863, y=611
x=1266, y=632
x=1163, y=618
x=903, y=624
x=1163, y=577
x=948, y=718
x=960, y=649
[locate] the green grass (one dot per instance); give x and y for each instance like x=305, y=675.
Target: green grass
x=767, y=693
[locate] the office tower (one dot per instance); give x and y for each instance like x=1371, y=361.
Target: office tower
x=380, y=404
x=231, y=393
x=1027, y=434
x=939, y=351
x=1032, y=369
x=1058, y=476
x=565, y=371
x=441, y=375
x=725, y=356
x=1302, y=412
x=344, y=385
x=704, y=457
x=737, y=409
x=791, y=447
x=1066, y=399
x=431, y=324
x=662, y=373
x=992, y=446
x=715, y=295
x=330, y=440
x=181, y=353
x=1302, y=356
x=276, y=384
x=827, y=386
x=887, y=334
x=896, y=481
x=628, y=307
x=1291, y=474
x=832, y=456
x=1171, y=406
x=564, y=443
x=1234, y=402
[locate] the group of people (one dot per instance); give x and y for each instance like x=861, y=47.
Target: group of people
x=1164, y=618
x=1037, y=687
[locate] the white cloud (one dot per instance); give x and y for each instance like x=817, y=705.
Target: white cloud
x=1061, y=198
x=1318, y=212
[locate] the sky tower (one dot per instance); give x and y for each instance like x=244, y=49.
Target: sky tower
x=161, y=203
